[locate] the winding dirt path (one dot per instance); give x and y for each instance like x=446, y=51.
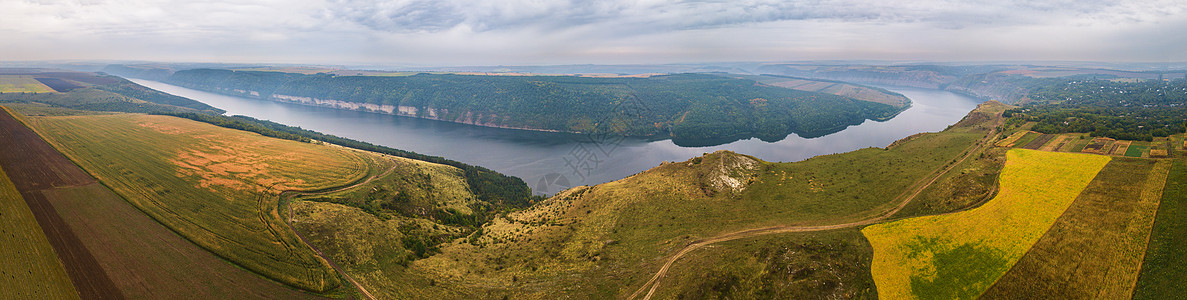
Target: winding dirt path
x=663, y=271
x=287, y=195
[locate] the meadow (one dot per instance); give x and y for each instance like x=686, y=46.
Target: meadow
x=22, y=84
x=959, y=255
x=30, y=269
x=216, y=187
x=1095, y=249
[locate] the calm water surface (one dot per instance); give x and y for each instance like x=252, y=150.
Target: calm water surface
x=551, y=161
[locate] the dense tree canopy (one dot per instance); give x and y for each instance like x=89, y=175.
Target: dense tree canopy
x=1138, y=110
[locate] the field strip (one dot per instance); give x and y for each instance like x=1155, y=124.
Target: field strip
x=659, y=275
x=41, y=167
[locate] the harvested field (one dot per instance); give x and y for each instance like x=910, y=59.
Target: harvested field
x=960, y=255
x=1058, y=143
x=1100, y=145
x=1120, y=147
x=1095, y=249
x=217, y=187
x=1039, y=141
x=40, y=168
x=27, y=252
x=22, y=84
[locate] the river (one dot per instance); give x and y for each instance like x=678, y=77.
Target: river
x=549, y=162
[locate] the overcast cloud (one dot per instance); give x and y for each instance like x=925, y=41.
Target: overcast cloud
x=467, y=32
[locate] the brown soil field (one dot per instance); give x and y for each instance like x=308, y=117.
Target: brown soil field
x=1057, y=143
x=34, y=166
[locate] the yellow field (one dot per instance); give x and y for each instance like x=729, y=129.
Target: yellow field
x=22, y=83
x=960, y=255
x=28, y=266
x=217, y=187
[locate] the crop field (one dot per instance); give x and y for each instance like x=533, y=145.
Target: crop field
x=817, y=265
x=1095, y=249
x=1039, y=141
x=1136, y=150
x=1026, y=139
x=58, y=84
x=959, y=255
x=22, y=84
x=1163, y=271
x=27, y=253
x=1058, y=142
x=216, y=187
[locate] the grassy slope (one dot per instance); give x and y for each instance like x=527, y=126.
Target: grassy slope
x=1094, y=249
x=820, y=265
x=960, y=255
x=619, y=232
x=30, y=269
x=217, y=187
x=1163, y=271
x=372, y=244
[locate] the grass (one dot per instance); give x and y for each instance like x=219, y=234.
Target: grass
x=1095, y=249
x=30, y=269
x=214, y=186
x=820, y=265
x=1163, y=271
x=22, y=84
x=960, y=255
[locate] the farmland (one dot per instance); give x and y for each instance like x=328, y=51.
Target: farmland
x=959, y=255
x=28, y=253
x=22, y=84
x=1095, y=248
x=1163, y=271
x=216, y=187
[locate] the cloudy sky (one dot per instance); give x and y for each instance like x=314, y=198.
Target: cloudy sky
x=477, y=32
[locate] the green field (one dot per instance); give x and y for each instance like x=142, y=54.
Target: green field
x=30, y=268
x=960, y=255
x=1136, y=150
x=820, y=265
x=216, y=187
x=22, y=84
x=1095, y=249
x=1163, y=271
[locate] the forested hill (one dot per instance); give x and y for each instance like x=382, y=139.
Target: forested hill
x=692, y=109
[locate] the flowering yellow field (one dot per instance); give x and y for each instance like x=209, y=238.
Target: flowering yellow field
x=960, y=255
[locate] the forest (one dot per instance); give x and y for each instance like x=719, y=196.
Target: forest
x=1140, y=110
x=692, y=109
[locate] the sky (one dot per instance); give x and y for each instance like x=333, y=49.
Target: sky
x=542, y=32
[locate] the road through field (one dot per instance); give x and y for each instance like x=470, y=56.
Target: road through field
x=907, y=196
x=34, y=166
x=286, y=196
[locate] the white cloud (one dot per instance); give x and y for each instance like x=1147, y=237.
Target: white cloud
x=615, y=31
